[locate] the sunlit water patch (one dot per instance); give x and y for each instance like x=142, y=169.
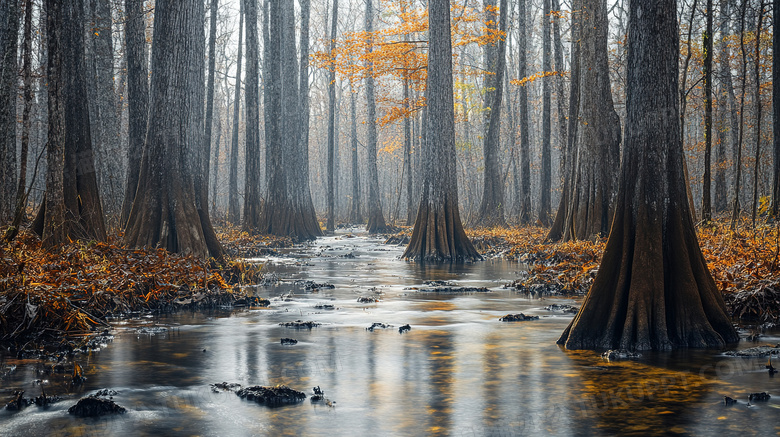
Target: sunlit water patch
x=457, y=371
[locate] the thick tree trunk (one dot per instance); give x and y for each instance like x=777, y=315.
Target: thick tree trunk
x=491, y=210
x=376, y=220
x=653, y=289
x=234, y=209
x=545, y=183
x=355, y=215
x=597, y=144
x=9, y=92
x=166, y=215
x=438, y=232
x=331, y=222
x=52, y=211
x=525, y=143
x=252, y=198
x=137, y=99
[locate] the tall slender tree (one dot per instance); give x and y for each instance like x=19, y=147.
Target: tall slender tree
x=331, y=222
x=355, y=214
x=209, y=121
x=706, y=207
x=759, y=109
x=726, y=120
x=438, y=232
x=545, y=182
x=376, y=220
x=653, y=289
x=776, y=112
x=167, y=215
x=735, y=206
x=137, y=99
x=234, y=209
x=525, y=142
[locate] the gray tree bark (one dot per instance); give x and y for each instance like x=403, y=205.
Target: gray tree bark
x=776, y=112
x=376, y=220
x=355, y=215
x=545, y=183
x=525, y=142
x=9, y=92
x=252, y=198
x=331, y=221
x=438, y=232
x=234, y=209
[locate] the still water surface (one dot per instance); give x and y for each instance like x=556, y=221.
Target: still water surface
x=459, y=371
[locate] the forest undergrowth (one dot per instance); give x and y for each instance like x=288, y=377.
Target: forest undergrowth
x=62, y=295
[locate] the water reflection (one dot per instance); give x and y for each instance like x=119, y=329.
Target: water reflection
x=459, y=371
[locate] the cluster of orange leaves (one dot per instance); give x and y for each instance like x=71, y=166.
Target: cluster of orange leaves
x=71, y=290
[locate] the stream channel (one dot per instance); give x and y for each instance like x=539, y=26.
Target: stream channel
x=458, y=371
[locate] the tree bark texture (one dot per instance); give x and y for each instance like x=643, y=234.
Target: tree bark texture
x=165, y=213
x=758, y=112
x=525, y=142
x=724, y=130
x=202, y=183
x=234, y=209
x=137, y=99
x=545, y=183
x=597, y=144
x=491, y=210
x=252, y=198
x=376, y=220
x=355, y=214
x=776, y=112
x=706, y=207
x=438, y=232
x=653, y=289
x=9, y=92
x=331, y=223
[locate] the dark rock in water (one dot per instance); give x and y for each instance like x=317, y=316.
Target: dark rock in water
x=151, y=330
x=324, y=306
x=377, y=325
x=517, y=318
x=349, y=255
x=225, y=386
x=318, y=394
x=93, y=407
x=18, y=402
x=367, y=299
x=440, y=283
x=759, y=397
x=313, y=286
x=289, y=341
x=447, y=287
x=729, y=401
x=621, y=354
x=318, y=391
x=106, y=392
x=564, y=308
x=758, y=352
x=271, y=396
x=405, y=328
x=300, y=324
x=252, y=301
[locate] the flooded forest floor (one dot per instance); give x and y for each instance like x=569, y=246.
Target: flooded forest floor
x=60, y=300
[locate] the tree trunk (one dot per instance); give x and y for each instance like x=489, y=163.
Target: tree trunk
x=525, y=143
x=376, y=221
x=137, y=99
x=438, y=232
x=776, y=112
x=757, y=100
x=355, y=215
x=491, y=210
x=9, y=90
x=202, y=182
x=560, y=223
x=331, y=223
x=21, y=195
x=684, y=102
x=724, y=127
x=408, y=154
x=252, y=198
x=706, y=207
x=166, y=215
x=597, y=145
x=545, y=183
x=104, y=117
x=234, y=210
x=653, y=289
x=735, y=209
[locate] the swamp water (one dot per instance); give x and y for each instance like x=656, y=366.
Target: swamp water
x=458, y=371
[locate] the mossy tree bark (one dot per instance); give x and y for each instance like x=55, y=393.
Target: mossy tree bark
x=165, y=213
x=653, y=289
x=438, y=232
